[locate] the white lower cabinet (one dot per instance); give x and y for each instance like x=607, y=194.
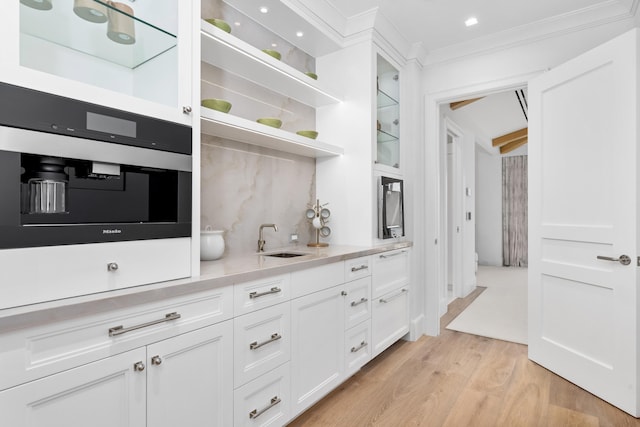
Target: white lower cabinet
x=357, y=347
x=264, y=401
x=189, y=380
x=317, y=346
x=262, y=341
x=389, y=319
x=184, y=380
x=106, y=393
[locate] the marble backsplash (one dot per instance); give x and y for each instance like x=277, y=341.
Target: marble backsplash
x=244, y=186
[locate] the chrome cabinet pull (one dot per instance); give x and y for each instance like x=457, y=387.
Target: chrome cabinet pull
x=362, y=300
x=273, y=290
x=156, y=360
x=623, y=259
x=383, y=256
x=343, y=293
x=362, y=267
x=256, y=413
x=255, y=344
x=119, y=330
x=112, y=266
x=187, y=109
x=138, y=366
x=384, y=301
x=362, y=345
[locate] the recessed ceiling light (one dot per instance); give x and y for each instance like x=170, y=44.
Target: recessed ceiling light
x=299, y=33
x=237, y=24
x=471, y=21
x=274, y=44
x=264, y=9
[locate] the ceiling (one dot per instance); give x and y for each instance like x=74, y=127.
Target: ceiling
x=437, y=24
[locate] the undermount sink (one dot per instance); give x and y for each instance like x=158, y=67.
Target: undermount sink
x=285, y=254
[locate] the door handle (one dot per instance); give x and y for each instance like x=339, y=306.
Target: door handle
x=623, y=259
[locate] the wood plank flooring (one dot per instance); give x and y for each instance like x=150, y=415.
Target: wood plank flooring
x=458, y=380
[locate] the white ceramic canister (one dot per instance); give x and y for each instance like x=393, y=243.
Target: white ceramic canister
x=211, y=244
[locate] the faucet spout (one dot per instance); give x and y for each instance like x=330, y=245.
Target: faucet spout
x=261, y=240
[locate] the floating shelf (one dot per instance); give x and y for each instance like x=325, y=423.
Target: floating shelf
x=229, y=53
x=239, y=129
x=62, y=26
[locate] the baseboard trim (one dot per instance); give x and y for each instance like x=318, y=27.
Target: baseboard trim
x=416, y=328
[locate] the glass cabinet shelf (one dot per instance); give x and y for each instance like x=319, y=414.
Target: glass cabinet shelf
x=386, y=137
x=136, y=42
x=385, y=100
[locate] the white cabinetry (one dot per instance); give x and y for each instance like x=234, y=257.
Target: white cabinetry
x=262, y=349
x=317, y=354
x=141, y=64
x=105, y=393
x=390, y=310
x=168, y=359
x=181, y=381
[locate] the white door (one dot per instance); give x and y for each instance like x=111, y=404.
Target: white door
x=583, y=158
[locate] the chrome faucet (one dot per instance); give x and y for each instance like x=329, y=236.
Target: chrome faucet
x=261, y=241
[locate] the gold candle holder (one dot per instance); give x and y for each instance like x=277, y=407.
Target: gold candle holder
x=121, y=28
x=38, y=4
x=90, y=10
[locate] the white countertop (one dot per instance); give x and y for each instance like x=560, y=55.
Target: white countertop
x=226, y=271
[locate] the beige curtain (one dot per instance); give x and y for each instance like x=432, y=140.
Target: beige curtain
x=514, y=211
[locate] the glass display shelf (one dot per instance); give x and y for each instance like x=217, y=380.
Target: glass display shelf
x=117, y=36
x=385, y=100
x=386, y=137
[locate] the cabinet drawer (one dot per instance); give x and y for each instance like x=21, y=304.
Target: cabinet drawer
x=390, y=271
x=31, y=353
x=316, y=279
x=357, y=347
x=357, y=268
x=262, y=341
x=389, y=319
x=75, y=270
x=257, y=294
x=357, y=301
x=264, y=401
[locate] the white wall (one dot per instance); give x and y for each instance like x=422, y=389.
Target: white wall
x=488, y=208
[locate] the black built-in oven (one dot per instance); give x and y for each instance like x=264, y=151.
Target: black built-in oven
x=72, y=172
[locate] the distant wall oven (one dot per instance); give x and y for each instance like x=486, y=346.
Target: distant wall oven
x=73, y=172
x=390, y=207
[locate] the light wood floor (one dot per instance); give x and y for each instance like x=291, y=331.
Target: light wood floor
x=459, y=380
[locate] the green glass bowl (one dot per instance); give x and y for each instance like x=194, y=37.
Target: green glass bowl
x=308, y=133
x=273, y=53
x=314, y=76
x=270, y=121
x=217, y=104
x=220, y=24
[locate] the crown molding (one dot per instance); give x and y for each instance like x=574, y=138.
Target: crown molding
x=591, y=17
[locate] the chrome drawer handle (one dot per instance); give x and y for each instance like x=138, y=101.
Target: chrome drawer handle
x=273, y=290
x=112, y=266
x=255, y=344
x=256, y=413
x=119, y=330
x=362, y=345
x=392, y=255
x=138, y=366
x=362, y=300
x=362, y=267
x=384, y=301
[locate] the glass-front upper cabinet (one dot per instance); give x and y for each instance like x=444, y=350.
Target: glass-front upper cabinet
x=128, y=54
x=388, y=114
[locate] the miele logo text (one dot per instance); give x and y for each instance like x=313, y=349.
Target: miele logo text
x=112, y=231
